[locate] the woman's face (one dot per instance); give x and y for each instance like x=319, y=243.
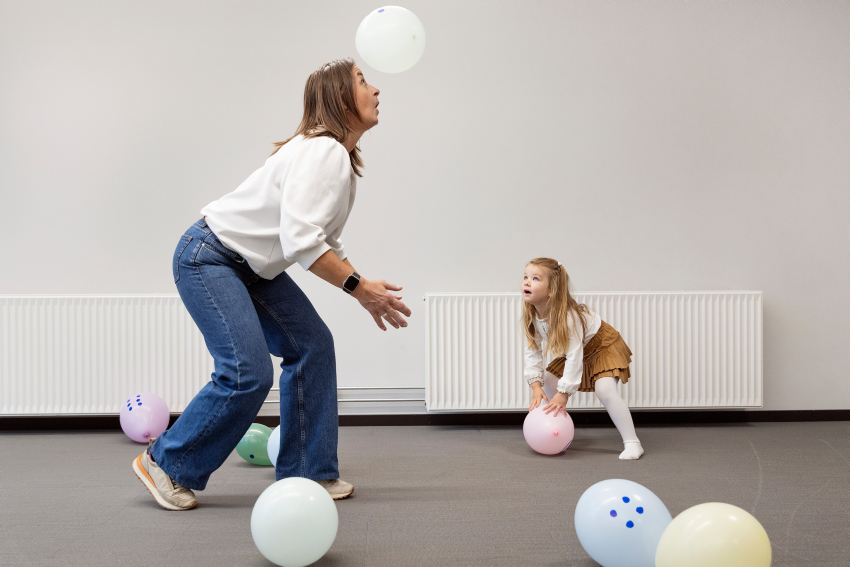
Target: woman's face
x=366, y=97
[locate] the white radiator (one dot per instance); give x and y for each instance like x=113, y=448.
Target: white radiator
x=85, y=354
x=690, y=350
x=81, y=355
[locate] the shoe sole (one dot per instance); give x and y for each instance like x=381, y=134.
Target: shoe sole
x=148, y=482
x=342, y=496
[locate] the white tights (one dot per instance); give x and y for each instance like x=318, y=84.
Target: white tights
x=606, y=391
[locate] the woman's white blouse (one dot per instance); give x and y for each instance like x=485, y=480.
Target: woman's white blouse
x=292, y=209
x=535, y=364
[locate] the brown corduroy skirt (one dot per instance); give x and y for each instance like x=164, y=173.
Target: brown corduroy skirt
x=606, y=354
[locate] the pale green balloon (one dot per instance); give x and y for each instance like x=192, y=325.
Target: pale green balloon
x=253, y=447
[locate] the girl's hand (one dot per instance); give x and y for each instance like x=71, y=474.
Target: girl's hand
x=558, y=403
x=537, y=394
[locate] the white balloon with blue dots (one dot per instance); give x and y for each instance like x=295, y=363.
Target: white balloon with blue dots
x=619, y=523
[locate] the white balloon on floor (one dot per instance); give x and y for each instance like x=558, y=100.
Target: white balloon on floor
x=273, y=447
x=294, y=522
x=390, y=39
x=619, y=523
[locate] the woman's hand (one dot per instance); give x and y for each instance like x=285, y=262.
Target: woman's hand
x=375, y=297
x=558, y=403
x=537, y=394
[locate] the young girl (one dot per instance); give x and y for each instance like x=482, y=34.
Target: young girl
x=571, y=349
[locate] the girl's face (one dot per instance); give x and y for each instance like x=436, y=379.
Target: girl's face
x=366, y=97
x=535, y=286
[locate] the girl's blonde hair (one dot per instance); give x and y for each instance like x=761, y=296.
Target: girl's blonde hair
x=329, y=92
x=562, y=307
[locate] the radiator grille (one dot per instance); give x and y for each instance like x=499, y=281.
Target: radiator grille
x=690, y=350
x=85, y=354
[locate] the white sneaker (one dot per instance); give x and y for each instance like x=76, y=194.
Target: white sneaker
x=337, y=488
x=168, y=494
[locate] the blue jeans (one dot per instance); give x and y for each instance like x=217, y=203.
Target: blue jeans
x=243, y=318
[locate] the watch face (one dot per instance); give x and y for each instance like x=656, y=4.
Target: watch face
x=350, y=283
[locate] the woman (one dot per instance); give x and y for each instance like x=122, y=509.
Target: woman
x=229, y=269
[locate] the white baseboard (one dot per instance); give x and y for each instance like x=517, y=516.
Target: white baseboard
x=365, y=401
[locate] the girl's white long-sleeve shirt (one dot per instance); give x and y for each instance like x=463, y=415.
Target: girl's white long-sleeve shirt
x=292, y=209
x=536, y=363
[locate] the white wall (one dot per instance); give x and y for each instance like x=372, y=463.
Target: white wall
x=648, y=145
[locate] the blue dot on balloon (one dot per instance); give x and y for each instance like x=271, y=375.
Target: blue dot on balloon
x=252, y=456
x=381, y=10
x=630, y=524
x=613, y=513
x=140, y=403
x=625, y=498
x=131, y=409
x=639, y=510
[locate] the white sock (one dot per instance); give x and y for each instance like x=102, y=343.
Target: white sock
x=606, y=391
x=633, y=451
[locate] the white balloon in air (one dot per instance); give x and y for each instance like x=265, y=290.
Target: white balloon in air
x=390, y=39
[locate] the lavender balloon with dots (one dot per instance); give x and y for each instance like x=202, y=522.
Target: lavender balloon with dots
x=149, y=419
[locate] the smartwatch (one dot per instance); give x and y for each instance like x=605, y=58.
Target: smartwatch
x=351, y=282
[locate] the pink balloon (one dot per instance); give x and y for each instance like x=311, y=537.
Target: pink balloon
x=546, y=433
x=144, y=416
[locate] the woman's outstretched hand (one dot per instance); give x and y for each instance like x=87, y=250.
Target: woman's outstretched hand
x=375, y=296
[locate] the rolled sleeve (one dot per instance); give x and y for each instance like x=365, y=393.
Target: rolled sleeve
x=573, y=367
x=307, y=258
x=533, y=366
x=573, y=364
x=314, y=197
x=337, y=246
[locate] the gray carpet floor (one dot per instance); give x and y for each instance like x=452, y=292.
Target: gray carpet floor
x=460, y=496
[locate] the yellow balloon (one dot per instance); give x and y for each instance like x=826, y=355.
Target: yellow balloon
x=711, y=535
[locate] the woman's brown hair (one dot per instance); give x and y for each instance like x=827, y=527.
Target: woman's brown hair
x=328, y=95
x=562, y=309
